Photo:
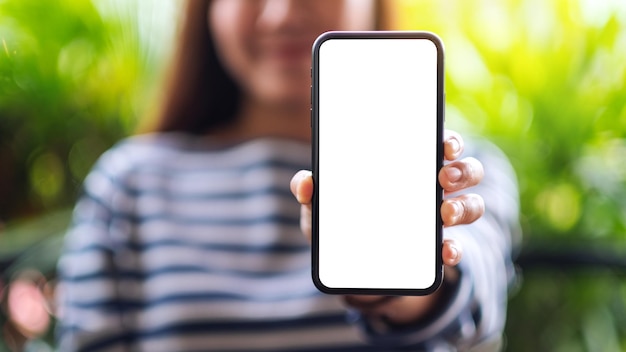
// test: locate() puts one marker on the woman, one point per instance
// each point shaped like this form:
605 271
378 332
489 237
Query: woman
187 239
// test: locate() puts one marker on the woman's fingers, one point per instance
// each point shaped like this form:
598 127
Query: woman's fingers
461 174
464 209
305 220
451 253
452 145
302 186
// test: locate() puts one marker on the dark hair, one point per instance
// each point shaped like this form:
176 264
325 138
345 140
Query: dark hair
199 95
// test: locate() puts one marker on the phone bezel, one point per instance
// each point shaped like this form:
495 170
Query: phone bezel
338 35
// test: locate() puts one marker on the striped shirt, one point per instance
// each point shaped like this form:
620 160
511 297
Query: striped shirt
180 245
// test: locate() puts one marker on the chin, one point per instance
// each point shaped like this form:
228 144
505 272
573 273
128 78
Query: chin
295 103
293 98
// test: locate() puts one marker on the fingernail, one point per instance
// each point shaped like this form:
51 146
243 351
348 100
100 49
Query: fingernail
456 146
454 256
454 174
457 211
454 252
303 175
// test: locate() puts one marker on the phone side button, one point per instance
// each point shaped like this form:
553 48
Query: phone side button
444 107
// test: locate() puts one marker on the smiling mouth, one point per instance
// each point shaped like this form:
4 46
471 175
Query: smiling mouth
288 51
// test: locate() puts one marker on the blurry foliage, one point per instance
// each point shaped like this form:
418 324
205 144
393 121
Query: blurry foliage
72 81
546 81
75 77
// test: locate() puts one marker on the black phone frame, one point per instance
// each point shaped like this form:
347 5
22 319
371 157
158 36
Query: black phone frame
333 35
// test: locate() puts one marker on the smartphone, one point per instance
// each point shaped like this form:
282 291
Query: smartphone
377 114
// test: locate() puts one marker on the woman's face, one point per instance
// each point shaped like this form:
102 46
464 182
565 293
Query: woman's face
266 44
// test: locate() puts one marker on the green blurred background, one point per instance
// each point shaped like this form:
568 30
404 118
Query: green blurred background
544 80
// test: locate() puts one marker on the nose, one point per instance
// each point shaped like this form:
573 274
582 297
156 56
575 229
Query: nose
277 14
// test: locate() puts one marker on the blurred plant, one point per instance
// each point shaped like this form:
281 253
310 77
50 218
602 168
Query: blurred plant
73 79
546 81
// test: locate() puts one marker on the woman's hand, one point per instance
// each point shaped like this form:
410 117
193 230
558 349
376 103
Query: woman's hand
455 176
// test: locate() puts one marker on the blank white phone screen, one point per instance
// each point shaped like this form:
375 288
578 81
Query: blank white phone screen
377 170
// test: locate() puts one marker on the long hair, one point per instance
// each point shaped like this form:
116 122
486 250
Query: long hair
199 95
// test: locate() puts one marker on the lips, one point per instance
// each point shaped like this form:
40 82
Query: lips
293 51
288 52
